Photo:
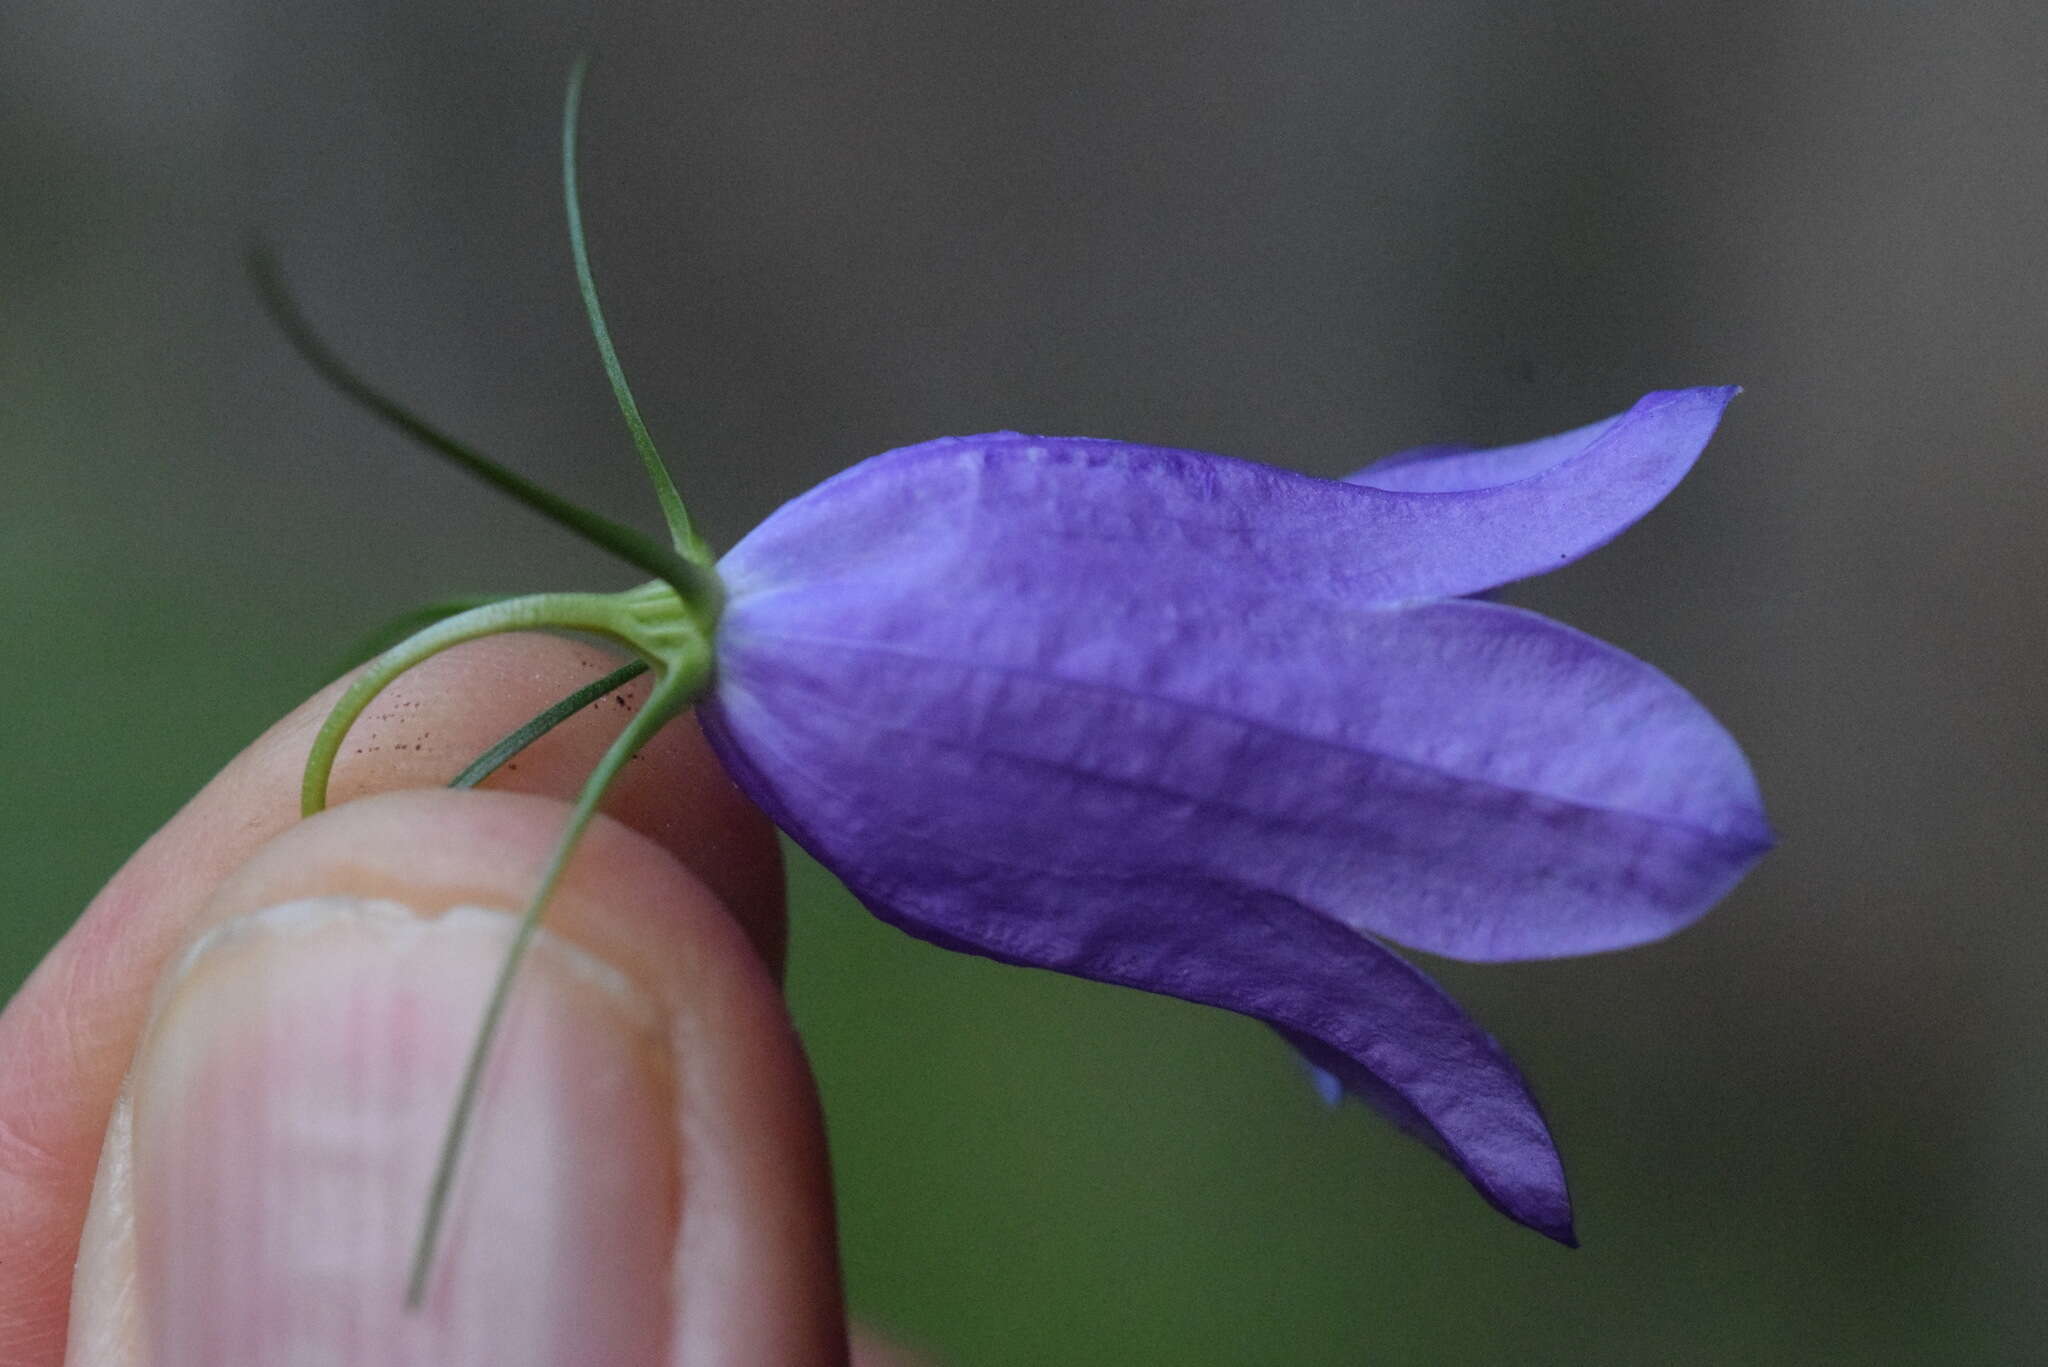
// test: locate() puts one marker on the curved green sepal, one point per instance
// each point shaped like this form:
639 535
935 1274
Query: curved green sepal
385 635
652 620
671 696
694 581
673 512
489 762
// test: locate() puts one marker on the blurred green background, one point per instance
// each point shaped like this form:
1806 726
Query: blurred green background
1809 1130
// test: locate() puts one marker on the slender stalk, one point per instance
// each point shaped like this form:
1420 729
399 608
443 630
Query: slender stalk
488 763
672 510
671 695
648 620
695 581
373 643
514 614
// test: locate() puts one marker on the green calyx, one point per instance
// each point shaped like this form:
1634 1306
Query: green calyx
654 621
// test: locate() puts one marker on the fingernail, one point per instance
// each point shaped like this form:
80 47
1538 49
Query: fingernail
289 1103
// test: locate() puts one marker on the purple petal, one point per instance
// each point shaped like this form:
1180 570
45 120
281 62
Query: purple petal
1515 1167
1470 779
1447 469
1573 492
1069 496
1357 1012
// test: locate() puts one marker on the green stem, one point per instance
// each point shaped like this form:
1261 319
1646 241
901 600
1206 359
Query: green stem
671 696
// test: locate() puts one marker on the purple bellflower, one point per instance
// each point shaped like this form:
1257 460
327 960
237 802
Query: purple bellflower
1218 731
1172 721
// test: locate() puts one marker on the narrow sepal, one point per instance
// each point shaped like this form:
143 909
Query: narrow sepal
387 634
693 581
681 533
526 733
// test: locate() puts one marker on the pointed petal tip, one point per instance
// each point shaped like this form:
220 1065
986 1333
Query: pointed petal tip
1546 1210
1716 396
1544 1207
1748 836
1510 512
1761 838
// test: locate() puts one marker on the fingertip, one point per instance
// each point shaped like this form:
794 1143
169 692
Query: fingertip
71 1031
318 1028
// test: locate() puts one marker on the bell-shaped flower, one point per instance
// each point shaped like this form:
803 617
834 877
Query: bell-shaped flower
1172 721
1219 731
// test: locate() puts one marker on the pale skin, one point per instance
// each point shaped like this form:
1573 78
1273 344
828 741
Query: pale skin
661 1071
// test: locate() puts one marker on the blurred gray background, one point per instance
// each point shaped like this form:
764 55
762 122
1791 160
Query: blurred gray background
1810 1130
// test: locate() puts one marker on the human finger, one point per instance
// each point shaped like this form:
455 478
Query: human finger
646 1179
70 1032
